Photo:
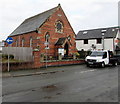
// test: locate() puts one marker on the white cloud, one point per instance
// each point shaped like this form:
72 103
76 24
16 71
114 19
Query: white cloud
94 15
82 14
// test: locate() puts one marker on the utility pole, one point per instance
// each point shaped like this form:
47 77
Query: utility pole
46 48
103 37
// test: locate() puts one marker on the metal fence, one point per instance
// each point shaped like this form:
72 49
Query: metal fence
20 53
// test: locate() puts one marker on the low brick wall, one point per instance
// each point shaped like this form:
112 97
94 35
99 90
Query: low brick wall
62 62
30 65
17 66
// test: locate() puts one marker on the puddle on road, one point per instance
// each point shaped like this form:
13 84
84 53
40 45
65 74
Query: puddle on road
49 88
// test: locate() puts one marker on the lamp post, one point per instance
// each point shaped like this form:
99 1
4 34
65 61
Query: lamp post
103 36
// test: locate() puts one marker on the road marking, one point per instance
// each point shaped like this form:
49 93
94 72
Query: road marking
86 71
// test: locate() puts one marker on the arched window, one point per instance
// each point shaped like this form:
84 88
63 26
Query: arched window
23 42
31 41
47 37
59 27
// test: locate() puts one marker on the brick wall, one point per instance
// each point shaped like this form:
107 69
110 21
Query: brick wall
63 62
26 37
48 27
38 36
38 64
31 65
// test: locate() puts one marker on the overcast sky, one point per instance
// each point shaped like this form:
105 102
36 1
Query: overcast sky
82 14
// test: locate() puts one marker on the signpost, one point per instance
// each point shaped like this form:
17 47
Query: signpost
9 40
46 48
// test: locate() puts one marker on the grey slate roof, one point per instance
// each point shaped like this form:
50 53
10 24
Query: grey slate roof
97 33
33 23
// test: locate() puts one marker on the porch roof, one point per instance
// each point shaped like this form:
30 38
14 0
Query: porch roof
62 41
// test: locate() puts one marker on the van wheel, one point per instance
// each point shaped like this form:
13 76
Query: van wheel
102 64
115 64
88 65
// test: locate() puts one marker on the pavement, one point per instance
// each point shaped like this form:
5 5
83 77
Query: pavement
29 72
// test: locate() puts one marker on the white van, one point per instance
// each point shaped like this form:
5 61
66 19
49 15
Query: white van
101 58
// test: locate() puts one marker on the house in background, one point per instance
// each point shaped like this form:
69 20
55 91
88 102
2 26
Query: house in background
102 38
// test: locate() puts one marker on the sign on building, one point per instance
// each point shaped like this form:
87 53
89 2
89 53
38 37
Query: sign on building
61 51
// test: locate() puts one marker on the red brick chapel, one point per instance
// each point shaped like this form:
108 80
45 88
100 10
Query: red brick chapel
49 30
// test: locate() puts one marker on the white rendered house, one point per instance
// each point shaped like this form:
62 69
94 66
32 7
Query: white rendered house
102 38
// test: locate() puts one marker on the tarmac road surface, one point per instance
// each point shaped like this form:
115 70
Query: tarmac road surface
74 84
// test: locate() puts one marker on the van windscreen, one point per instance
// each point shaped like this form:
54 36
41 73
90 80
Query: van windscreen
95 53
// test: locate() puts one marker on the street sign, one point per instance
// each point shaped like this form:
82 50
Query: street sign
46 43
9 40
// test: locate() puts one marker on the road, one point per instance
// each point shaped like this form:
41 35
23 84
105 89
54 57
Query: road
74 84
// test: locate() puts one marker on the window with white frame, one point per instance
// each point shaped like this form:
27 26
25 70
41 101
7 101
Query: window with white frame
23 42
31 41
47 37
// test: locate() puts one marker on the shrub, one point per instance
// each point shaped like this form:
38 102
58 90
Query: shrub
4 56
77 54
51 57
11 56
82 53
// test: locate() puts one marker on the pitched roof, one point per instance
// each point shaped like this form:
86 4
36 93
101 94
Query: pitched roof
61 41
97 33
33 23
